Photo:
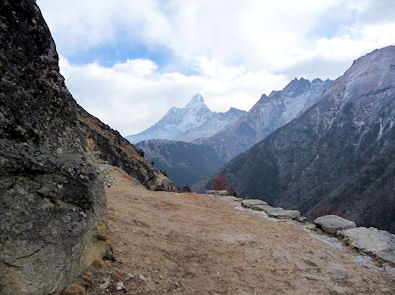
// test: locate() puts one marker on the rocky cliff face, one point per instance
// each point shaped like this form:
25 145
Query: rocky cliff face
268 114
52 202
338 156
106 144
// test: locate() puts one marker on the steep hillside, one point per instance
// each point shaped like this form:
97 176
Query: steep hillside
268 114
176 121
104 143
52 212
213 125
185 163
338 156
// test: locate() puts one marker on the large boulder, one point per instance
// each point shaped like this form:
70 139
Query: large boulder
53 220
332 223
52 202
371 240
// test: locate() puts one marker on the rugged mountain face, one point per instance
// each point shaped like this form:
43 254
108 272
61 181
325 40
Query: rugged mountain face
176 121
185 163
268 114
213 125
52 201
338 156
193 121
106 144
235 130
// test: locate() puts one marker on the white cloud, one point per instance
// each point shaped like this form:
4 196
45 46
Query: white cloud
133 95
236 49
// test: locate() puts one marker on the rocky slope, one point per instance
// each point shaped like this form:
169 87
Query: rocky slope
268 114
338 156
52 212
193 121
185 163
106 144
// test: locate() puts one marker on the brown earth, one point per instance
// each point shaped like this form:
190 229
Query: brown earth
169 243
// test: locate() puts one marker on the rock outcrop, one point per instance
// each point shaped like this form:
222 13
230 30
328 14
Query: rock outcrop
52 201
106 144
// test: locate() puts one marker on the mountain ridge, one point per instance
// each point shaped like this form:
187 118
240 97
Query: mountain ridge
193 121
338 155
267 114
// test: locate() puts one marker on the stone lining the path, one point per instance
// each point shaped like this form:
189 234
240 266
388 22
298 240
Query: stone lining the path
378 243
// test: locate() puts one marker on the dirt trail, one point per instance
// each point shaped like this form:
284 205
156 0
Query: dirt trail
168 243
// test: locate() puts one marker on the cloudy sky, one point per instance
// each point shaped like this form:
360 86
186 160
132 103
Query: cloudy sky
128 61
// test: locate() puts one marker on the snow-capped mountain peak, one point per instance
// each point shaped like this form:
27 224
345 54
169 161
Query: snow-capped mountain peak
193 121
196 101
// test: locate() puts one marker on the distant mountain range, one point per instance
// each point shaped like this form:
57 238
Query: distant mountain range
223 135
338 156
193 121
268 114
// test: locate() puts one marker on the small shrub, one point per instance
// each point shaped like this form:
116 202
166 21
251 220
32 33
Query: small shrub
185 189
219 183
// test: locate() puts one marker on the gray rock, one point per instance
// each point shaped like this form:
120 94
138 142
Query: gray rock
371 240
217 192
332 223
253 204
285 214
120 286
301 219
105 284
269 209
313 277
336 271
48 147
310 226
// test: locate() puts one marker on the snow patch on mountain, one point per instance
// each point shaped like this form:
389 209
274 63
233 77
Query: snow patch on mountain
213 125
